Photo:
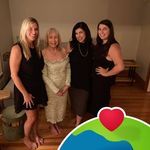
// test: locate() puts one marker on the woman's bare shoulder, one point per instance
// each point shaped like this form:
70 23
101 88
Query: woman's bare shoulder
115 46
63 51
16 49
15 55
43 51
68 47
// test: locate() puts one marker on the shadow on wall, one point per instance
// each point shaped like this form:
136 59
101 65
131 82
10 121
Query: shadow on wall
5 82
5 71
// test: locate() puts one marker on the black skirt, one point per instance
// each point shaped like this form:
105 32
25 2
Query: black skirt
79 100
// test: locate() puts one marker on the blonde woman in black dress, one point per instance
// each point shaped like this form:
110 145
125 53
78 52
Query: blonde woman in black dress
29 90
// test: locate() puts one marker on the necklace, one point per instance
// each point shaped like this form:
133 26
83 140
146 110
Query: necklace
80 50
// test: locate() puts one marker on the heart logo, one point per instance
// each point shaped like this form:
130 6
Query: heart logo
111 118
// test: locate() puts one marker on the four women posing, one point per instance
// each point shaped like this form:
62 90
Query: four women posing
93 70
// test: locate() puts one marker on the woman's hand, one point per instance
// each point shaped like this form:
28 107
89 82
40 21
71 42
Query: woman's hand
62 91
102 71
28 100
65 88
59 93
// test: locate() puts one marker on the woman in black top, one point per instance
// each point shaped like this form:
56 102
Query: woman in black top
80 62
29 89
106 64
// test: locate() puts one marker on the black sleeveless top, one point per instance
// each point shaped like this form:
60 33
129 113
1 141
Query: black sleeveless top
30 73
101 85
100 60
81 64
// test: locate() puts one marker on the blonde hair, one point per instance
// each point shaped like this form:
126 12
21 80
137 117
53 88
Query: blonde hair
52 30
23 38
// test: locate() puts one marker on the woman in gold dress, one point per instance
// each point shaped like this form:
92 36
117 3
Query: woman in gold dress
56 75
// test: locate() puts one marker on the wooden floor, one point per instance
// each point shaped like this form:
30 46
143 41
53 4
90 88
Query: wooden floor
133 99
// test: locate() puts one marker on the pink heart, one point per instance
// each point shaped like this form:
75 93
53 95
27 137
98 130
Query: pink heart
111 118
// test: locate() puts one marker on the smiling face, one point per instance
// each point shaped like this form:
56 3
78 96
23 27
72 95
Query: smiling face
103 32
32 32
80 35
53 39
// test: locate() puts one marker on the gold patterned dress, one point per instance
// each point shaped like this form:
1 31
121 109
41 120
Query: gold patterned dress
56 74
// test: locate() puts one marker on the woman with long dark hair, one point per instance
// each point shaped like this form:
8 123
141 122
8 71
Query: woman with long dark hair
107 62
80 62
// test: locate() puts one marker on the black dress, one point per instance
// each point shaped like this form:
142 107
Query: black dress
101 85
30 73
80 62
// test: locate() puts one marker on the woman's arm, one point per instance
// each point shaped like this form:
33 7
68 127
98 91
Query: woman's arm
48 81
68 48
114 54
68 78
15 60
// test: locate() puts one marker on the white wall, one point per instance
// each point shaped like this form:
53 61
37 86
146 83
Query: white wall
126 15
63 14
143 53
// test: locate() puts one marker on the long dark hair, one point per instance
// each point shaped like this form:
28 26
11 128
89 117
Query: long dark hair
111 37
109 24
83 26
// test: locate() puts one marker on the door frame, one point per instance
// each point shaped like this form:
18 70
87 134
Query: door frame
147 83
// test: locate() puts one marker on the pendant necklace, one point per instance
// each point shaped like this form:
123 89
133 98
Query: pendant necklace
80 50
